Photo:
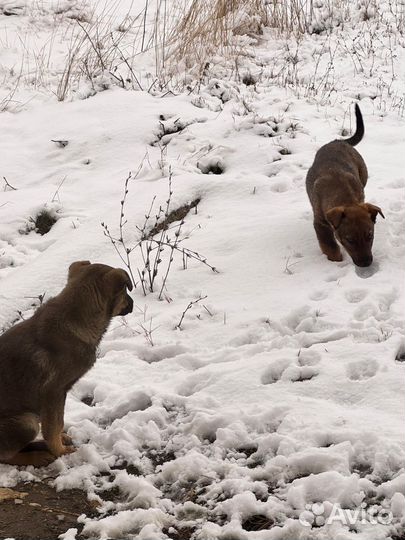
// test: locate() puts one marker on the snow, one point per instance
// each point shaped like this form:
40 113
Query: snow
284 387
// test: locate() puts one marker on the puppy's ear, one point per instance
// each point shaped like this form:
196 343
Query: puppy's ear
373 211
335 216
75 267
117 278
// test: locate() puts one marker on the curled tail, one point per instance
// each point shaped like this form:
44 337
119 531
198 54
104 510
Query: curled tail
358 135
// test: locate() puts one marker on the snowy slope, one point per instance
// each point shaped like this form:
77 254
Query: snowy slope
284 387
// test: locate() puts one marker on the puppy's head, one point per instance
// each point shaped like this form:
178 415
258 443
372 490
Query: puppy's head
354 228
108 285
116 283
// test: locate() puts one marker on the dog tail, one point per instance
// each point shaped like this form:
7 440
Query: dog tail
359 133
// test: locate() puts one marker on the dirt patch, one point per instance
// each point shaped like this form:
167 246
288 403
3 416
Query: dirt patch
44 222
257 522
159 458
36 511
179 533
131 469
175 215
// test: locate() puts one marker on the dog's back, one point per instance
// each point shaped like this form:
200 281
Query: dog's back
338 170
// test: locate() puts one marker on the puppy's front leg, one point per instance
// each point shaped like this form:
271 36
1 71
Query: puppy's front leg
65 437
52 424
327 241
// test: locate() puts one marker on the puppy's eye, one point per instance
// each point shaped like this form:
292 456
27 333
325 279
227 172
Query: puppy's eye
350 240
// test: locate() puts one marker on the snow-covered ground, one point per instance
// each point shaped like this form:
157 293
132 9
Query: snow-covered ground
280 400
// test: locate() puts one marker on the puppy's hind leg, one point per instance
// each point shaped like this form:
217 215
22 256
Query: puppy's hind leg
16 432
327 241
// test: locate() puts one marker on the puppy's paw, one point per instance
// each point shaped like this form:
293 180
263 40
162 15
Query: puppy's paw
335 256
68 449
66 440
331 250
59 449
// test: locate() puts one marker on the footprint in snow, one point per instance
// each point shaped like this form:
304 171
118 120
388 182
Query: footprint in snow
195 383
354 296
211 165
400 356
306 357
361 369
299 373
396 225
365 311
367 271
279 187
274 372
282 370
396 206
335 275
318 295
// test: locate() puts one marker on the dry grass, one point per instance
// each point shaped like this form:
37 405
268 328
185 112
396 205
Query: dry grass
290 17
96 55
196 33
211 28
188 39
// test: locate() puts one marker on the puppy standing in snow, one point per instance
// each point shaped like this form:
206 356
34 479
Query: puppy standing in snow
41 358
335 186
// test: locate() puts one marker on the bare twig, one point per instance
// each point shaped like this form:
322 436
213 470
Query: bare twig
288 265
190 305
40 298
147 332
154 240
8 185
56 194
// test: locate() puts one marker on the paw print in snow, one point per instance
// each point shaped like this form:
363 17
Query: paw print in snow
211 165
313 515
355 296
361 369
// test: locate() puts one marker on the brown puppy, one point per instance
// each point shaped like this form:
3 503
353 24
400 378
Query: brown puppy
41 358
335 186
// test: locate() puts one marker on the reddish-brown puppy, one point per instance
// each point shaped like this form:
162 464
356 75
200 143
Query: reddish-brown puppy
41 358
335 186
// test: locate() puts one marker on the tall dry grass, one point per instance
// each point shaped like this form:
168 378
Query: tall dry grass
182 37
212 28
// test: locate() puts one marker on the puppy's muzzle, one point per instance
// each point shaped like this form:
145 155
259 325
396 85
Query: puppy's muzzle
129 307
366 261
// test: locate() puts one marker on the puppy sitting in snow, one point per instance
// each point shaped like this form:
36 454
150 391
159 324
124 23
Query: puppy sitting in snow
335 186
41 358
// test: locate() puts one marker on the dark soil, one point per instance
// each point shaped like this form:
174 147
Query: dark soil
41 513
180 533
44 222
257 523
175 215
